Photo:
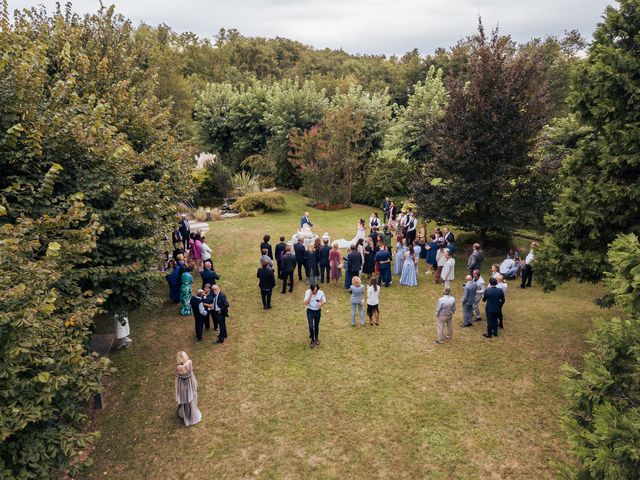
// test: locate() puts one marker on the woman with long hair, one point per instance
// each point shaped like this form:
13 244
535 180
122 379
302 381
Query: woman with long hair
186 391
373 298
408 277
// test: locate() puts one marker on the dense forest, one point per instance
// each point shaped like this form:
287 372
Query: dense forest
100 122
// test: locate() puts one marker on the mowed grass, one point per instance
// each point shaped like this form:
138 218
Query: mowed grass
372 402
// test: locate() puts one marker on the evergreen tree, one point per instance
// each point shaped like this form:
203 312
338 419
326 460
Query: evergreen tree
603 415
481 147
600 196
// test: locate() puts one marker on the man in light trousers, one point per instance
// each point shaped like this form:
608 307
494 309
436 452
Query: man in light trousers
445 308
468 299
479 292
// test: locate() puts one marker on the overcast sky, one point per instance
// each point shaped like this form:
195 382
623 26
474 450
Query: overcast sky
359 26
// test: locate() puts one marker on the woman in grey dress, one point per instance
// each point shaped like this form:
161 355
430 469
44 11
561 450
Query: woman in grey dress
186 391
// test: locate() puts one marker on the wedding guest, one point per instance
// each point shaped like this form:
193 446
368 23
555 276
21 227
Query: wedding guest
354 260
265 245
185 293
495 270
400 251
448 236
411 225
392 216
374 221
386 207
279 252
196 250
186 391
207 301
357 300
448 269
494 299
324 263
334 264
445 308
178 251
266 284
408 277
311 266
314 299
475 259
502 285
374 236
468 299
527 272
480 283
176 238
387 237
440 261
288 268
185 232
173 279
368 266
373 299
300 252
209 275
417 252
220 308
360 249
206 251
431 249
383 260
199 312
265 257
509 267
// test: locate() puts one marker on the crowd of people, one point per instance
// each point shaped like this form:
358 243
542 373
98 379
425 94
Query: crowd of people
393 247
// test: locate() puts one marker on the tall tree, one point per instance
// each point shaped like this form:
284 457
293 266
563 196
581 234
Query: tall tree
481 146
600 197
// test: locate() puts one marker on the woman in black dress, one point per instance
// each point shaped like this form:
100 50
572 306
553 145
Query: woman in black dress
368 265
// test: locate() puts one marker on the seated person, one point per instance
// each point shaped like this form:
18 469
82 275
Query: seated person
509 267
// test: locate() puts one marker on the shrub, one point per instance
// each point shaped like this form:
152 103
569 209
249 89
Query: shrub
262 201
216 182
244 183
201 214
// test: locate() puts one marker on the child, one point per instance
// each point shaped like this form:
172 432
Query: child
373 294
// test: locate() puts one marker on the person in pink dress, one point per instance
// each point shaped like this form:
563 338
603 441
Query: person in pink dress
334 264
197 251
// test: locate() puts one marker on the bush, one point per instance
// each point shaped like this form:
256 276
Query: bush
262 201
244 183
216 182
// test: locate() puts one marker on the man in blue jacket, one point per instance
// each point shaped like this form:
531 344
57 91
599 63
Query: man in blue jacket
494 299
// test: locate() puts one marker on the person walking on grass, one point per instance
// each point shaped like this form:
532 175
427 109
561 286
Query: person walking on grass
314 299
357 300
186 391
494 299
278 254
288 269
266 284
445 308
373 298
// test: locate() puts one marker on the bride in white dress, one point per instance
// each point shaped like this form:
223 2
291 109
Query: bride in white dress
361 232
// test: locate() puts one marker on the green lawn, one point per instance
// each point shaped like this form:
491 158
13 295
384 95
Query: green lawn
372 402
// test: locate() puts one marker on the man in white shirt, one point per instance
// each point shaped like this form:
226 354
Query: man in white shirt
445 308
412 224
509 268
527 272
448 268
502 285
314 299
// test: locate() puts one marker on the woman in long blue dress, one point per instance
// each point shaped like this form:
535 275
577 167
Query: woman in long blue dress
408 277
173 279
432 250
400 249
185 293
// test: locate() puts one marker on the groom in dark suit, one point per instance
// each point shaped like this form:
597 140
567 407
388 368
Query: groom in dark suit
220 308
305 219
494 298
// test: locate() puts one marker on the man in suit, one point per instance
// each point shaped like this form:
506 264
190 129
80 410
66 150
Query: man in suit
386 205
220 312
199 312
323 259
448 236
383 259
445 308
475 259
288 267
448 269
301 253
494 299
279 252
468 299
266 284
185 231
208 303
412 224
305 219
479 293
354 260
209 275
